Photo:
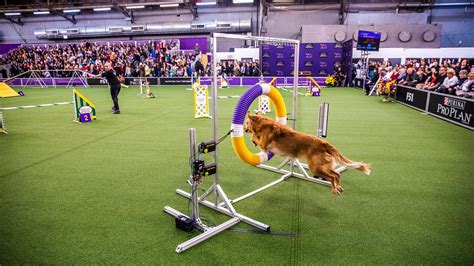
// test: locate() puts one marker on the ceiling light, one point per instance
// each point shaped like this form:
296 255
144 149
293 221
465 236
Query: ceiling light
170 5
205 3
13 14
41 12
102 9
72 11
134 7
242 1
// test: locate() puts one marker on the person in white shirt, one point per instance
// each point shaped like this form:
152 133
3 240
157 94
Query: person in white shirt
449 82
467 86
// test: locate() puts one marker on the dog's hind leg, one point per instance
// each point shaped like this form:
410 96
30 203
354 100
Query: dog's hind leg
314 165
327 170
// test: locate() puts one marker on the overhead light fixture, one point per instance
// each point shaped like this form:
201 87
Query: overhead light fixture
242 1
169 5
41 12
206 3
134 7
102 9
13 14
72 11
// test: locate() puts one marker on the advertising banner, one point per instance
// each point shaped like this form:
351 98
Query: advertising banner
413 97
454 109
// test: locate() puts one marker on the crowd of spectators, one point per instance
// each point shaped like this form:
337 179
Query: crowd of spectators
448 77
130 59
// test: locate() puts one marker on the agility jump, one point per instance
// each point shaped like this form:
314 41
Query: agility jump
240 112
220 201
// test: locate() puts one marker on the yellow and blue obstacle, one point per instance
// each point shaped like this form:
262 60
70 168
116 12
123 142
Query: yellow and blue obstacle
84 110
6 91
240 111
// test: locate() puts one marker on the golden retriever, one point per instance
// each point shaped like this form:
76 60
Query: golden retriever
284 141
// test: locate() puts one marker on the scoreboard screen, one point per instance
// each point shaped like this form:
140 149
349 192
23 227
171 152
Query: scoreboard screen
368 40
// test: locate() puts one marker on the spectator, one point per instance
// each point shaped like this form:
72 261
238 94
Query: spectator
421 77
339 77
467 87
464 66
410 79
373 80
441 76
449 83
431 82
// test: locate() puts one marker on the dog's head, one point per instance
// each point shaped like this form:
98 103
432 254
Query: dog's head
251 121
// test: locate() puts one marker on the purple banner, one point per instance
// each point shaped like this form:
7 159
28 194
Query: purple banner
347 60
190 44
5 48
232 81
47 81
316 59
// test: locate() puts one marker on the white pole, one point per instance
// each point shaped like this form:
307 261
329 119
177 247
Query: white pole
214 103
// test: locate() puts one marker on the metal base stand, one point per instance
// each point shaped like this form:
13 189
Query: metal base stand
34 76
302 168
77 75
222 204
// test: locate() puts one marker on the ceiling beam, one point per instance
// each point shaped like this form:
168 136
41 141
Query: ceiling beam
71 19
17 21
57 13
122 10
193 9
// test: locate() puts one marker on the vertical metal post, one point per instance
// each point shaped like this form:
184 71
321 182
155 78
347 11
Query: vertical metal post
295 84
194 184
295 93
214 104
323 120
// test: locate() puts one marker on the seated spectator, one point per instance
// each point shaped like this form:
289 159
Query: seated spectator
421 77
464 66
432 82
466 88
449 83
441 76
401 75
410 79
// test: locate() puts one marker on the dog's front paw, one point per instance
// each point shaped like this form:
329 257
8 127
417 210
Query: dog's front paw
340 189
336 192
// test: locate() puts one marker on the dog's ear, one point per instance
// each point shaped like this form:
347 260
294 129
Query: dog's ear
276 129
251 116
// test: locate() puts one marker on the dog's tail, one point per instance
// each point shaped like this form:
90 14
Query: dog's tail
342 160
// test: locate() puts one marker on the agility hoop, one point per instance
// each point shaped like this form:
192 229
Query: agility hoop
238 142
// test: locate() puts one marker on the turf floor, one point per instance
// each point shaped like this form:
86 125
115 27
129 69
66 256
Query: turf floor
94 193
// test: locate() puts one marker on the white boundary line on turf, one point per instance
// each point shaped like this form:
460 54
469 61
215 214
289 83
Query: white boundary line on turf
291 91
34 106
226 97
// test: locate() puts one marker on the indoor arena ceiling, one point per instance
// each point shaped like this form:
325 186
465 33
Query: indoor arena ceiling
40 4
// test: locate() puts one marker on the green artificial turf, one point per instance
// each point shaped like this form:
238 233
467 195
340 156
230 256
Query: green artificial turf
88 193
